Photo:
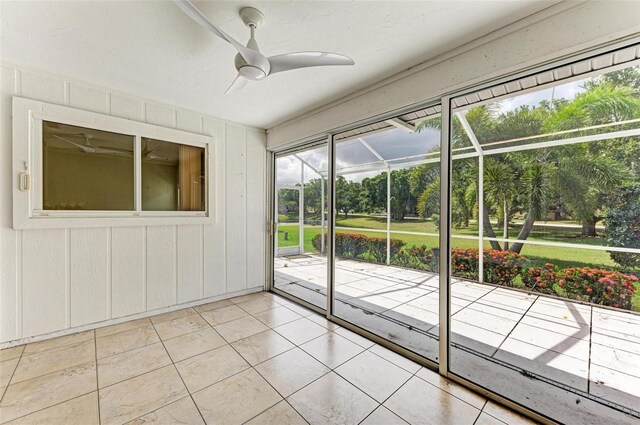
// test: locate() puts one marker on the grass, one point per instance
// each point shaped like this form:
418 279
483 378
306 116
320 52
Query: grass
560 256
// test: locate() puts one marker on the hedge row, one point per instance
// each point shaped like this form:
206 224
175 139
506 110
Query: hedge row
597 286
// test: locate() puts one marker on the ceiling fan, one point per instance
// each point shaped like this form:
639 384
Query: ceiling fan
87 147
250 63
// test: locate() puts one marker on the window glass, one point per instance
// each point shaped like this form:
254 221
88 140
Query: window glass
86 169
173 176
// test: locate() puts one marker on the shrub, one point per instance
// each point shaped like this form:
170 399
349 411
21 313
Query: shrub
540 279
598 286
623 225
417 257
500 267
353 245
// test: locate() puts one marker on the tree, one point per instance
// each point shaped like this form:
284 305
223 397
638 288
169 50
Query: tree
347 195
623 225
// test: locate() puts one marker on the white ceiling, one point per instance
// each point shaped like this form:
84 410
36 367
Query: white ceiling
152 49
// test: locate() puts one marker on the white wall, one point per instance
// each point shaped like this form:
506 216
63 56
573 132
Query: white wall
567 28
52 280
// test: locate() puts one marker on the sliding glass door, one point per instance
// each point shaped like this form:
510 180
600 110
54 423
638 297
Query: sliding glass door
300 221
509 259
387 181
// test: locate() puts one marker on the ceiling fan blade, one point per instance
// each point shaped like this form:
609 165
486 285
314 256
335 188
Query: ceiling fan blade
237 84
191 11
297 60
83 148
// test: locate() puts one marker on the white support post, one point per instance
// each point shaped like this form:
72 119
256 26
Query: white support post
301 209
476 144
322 218
388 215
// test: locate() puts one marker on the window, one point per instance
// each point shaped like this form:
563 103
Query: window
76 169
172 176
86 169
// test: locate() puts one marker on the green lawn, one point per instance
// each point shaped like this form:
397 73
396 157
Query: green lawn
538 255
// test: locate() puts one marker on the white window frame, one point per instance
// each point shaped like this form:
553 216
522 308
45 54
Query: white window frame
28 116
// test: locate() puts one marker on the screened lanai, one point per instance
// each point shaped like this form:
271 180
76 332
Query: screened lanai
536 165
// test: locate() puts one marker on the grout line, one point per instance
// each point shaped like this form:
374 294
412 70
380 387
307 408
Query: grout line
180 376
515 326
12 373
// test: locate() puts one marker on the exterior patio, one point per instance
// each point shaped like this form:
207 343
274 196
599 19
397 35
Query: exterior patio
581 348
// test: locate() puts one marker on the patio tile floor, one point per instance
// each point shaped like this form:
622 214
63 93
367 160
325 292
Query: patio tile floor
589 348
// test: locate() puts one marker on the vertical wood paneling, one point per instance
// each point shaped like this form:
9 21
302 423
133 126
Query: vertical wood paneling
161 266
214 256
43 281
42 87
126 107
189 246
8 236
256 222
89 275
236 208
127 270
87 98
53 279
159 115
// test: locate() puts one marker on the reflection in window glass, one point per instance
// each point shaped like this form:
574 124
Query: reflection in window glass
86 169
173 176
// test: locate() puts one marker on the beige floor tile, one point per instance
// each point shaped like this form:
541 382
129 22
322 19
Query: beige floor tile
374 375
432 377
194 343
223 314
38 393
212 305
332 400
180 326
181 412
236 399
171 315
281 414
125 341
120 367
354 337
420 402
485 419
260 347
7 368
395 358
258 305
49 344
240 328
302 311
138 396
248 297
11 353
45 362
208 368
506 415
2 390
82 410
277 316
332 349
121 327
300 331
322 321
383 416
291 371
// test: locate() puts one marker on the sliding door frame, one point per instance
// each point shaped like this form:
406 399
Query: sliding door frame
444 99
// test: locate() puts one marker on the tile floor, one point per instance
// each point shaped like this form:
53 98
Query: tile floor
255 359
588 348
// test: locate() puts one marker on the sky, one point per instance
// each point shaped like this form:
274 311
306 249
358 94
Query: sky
396 143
